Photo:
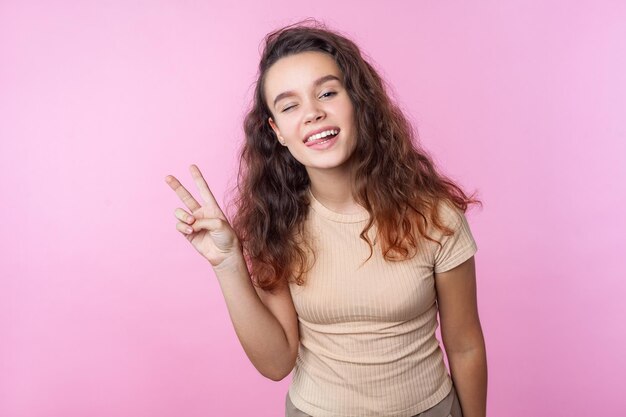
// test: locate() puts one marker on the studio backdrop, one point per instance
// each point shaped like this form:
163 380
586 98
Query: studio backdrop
107 311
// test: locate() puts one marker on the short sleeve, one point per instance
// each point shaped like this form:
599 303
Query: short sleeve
458 247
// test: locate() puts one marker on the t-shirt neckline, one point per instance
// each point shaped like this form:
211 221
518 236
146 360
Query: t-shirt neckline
333 215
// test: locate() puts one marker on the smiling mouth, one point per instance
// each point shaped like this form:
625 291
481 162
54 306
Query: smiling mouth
322 136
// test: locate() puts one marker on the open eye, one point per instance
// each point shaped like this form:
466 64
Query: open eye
328 94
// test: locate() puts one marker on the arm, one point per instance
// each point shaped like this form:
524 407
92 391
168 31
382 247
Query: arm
266 323
462 336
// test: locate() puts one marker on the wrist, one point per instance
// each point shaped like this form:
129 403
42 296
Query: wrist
234 263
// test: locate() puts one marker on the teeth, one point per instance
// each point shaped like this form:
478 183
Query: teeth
322 135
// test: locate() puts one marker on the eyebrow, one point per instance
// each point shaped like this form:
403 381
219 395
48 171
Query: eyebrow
316 83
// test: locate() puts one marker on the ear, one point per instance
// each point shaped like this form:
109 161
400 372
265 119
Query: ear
276 131
273 126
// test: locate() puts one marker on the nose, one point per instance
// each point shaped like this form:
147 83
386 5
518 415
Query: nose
314 113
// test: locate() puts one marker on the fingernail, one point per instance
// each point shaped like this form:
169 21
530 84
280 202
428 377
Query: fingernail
189 230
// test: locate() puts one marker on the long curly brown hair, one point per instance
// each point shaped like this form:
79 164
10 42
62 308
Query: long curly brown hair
395 179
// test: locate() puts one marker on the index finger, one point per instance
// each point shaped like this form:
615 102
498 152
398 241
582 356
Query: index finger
205 191
182 193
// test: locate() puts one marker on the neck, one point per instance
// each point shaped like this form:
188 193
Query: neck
333 189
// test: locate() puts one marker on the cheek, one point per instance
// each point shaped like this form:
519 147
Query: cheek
347 112
286 126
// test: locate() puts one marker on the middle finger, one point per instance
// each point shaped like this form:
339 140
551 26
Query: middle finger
205 191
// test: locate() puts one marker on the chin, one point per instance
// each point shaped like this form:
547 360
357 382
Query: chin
329 164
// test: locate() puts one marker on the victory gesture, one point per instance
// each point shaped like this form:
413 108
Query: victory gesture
205 225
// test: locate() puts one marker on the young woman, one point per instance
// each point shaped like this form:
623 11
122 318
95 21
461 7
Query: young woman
345 245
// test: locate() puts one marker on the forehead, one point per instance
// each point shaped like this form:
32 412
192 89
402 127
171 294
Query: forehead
298 71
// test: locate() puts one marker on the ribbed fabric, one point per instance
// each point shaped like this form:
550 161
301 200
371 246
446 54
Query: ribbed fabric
367 330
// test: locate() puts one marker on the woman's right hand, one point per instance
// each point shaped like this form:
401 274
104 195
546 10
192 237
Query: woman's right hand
205 226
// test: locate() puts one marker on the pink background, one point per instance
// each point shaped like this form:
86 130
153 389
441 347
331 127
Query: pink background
105 310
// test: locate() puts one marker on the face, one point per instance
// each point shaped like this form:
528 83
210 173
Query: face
312 113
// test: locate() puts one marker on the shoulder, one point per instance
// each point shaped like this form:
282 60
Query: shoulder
443 218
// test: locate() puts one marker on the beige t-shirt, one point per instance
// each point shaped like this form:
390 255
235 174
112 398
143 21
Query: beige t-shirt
367 332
